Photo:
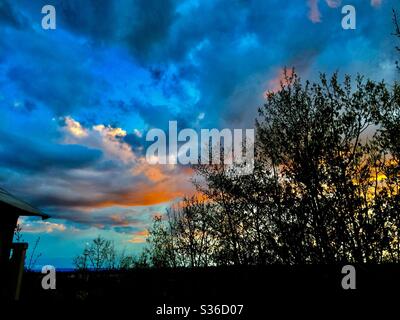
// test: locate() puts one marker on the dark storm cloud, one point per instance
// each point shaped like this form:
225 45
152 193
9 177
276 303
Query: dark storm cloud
56 75
52 86
140 24
95 19
220 47
122 221
25 154
149 26
127 230
136 142
10 17
158 116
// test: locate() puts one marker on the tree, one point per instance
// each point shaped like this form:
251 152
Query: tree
323 140
161 244
324 187
98 254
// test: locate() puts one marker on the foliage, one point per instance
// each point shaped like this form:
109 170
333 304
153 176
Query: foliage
325 187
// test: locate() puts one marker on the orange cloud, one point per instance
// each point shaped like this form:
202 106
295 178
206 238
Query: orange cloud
274 85
120 220
145 195
314 15
106 138
154 173
75 128
333 3
143 233
376 3
136 182
139 237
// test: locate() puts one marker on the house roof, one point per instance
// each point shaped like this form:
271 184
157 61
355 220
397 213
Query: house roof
23 208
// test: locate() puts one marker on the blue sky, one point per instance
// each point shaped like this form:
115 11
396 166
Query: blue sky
76 102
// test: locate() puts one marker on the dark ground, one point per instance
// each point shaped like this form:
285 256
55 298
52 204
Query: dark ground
261 290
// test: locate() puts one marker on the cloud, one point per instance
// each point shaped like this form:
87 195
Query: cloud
26 154
10 17
122 220
280 79
334 3
107 138
74 223
314 14
180 69
75 128
208 72
114 188
93 19
64 79
151 25
76 102
115 176
376 3
42 226
139 237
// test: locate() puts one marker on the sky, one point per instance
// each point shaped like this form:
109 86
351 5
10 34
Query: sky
76 102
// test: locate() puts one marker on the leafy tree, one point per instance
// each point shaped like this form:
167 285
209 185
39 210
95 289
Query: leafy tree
324 187
161 244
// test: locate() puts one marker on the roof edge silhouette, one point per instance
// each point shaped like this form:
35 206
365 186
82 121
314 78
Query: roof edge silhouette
25 208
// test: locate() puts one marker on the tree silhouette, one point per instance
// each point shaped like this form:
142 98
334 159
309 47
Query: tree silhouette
325 186
101 254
